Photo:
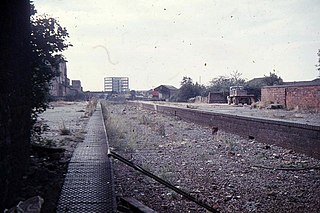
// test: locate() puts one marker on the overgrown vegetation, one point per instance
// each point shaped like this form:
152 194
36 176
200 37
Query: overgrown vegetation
188 90
48 41
121 133
91 107
63 129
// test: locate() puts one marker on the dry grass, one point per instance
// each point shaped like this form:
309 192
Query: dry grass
122 133
91 107
63 129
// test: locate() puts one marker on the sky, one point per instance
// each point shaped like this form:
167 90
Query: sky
156 42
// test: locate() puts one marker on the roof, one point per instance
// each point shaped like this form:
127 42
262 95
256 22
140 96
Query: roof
256 81
167 86
315 82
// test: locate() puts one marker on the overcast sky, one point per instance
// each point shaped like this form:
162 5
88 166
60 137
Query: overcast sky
156 42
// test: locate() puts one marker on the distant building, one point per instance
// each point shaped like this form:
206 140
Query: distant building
60 88
116 84
304 95
59 85
76 84
217 97
164 92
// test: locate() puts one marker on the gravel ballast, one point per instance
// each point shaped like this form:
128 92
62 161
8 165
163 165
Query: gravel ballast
229 173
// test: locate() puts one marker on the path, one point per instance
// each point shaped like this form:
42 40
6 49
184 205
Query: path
88 185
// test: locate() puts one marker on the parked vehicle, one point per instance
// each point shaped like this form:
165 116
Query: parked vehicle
238 95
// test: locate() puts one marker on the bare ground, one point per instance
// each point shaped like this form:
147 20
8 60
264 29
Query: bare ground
51 153
226 171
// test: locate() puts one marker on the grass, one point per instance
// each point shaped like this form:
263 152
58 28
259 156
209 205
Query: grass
91 107
166 174
122 136
145 120
162 130
64 130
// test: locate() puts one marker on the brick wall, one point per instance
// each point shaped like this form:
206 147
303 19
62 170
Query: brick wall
303 97
275 95
298 137
306 98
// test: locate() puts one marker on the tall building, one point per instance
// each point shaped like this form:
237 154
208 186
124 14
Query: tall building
60 83
116 84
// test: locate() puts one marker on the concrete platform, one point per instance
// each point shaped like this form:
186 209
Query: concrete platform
88 185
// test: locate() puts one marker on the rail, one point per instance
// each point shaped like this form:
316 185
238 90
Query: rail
163 182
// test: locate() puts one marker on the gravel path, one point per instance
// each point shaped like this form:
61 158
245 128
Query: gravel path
228 172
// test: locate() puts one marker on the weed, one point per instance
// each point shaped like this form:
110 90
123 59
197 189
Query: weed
162 130
91 107
230 144
47 142
166 174
63 129
144 120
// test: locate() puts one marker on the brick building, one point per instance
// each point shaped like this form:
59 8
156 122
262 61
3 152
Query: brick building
304 94
76 84
59 85
60 88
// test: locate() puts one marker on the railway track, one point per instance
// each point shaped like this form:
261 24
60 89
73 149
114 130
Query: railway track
236 175
299 137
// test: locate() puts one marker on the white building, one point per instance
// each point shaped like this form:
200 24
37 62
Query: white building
116 84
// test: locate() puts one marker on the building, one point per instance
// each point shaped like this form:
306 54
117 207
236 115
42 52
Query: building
116 84
76 85
59 84
164 92
217 97
304 95
60 88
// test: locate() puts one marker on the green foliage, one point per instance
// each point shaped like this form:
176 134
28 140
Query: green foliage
272 79
223 83
48 40
188 90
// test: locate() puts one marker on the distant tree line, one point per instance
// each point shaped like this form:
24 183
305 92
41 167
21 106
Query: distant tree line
222 84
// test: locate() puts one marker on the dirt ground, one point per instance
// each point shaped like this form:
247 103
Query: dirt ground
63 126
229 173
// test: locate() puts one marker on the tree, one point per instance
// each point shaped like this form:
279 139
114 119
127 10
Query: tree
272 79
236 79
188 90
223 83
186 81
48 40
15 89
